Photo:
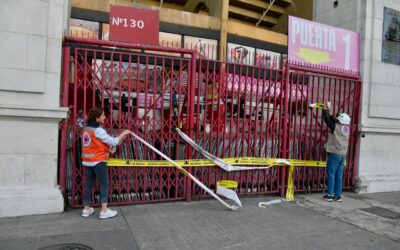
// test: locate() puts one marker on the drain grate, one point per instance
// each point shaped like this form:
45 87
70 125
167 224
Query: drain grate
382 212
67 247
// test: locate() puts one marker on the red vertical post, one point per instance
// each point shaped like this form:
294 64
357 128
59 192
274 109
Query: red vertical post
189 121
355 128
285 130
63 134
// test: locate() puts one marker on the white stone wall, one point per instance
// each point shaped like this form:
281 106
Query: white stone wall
30 78
379 150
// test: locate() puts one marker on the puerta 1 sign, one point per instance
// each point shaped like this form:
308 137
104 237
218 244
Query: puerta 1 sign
320 44
134 25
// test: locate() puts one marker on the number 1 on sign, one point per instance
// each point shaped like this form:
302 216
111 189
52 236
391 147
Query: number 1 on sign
346 40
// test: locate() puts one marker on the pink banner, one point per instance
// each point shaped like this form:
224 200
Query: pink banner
149 102
319 44
254 86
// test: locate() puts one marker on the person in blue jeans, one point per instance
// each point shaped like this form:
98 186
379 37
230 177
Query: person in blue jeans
336 146
96 147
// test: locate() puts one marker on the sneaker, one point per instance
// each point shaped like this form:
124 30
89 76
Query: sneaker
328 198
337 198
108 214
87 212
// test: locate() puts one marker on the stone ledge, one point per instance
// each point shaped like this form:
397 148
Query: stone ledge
46 114
378 129
21 201
378 183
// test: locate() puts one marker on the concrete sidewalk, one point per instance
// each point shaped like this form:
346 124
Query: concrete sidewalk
359 222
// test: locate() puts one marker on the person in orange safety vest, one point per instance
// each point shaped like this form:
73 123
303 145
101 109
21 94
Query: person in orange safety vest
96 145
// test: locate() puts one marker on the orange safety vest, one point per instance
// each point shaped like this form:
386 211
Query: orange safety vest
93 149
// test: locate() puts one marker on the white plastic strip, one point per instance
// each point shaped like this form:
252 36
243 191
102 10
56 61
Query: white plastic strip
228 193
267 203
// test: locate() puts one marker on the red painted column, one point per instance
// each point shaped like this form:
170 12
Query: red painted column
285 131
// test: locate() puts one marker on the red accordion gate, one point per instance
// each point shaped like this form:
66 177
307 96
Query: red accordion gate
230 110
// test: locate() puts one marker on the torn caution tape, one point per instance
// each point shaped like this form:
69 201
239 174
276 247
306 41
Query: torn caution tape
228 164
227 184
224 189
317 105
268 203
230 195
220 162
116 162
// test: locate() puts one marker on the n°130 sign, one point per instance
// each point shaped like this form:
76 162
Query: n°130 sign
125 22
134 25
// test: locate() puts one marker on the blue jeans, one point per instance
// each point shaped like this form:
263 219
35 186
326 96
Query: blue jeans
334 172
101 171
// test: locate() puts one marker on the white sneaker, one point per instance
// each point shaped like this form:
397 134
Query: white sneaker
87 212
108 214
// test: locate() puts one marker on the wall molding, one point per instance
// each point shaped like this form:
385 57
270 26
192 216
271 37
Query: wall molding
42 114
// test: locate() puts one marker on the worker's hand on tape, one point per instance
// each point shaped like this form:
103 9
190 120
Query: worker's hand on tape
328 105
113 149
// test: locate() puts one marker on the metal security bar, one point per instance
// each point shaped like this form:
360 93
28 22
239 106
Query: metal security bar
307 132
230 109
237 114
140 91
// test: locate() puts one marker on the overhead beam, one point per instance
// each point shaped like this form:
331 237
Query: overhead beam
254 16
191 5
223 39
214 7
104 5
284 3
259 6
245 30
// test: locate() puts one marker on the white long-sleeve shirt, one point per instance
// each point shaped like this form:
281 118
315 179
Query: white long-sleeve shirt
101 134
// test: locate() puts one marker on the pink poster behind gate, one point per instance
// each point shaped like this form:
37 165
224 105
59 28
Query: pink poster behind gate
319 44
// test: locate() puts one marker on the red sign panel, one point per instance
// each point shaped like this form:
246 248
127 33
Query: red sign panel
134 25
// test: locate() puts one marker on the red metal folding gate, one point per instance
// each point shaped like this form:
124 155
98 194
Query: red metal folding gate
231 110
307 133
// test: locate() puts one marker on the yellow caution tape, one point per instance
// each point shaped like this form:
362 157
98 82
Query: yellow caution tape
227 184
254 161
317 105
114 162
290 188
158 163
